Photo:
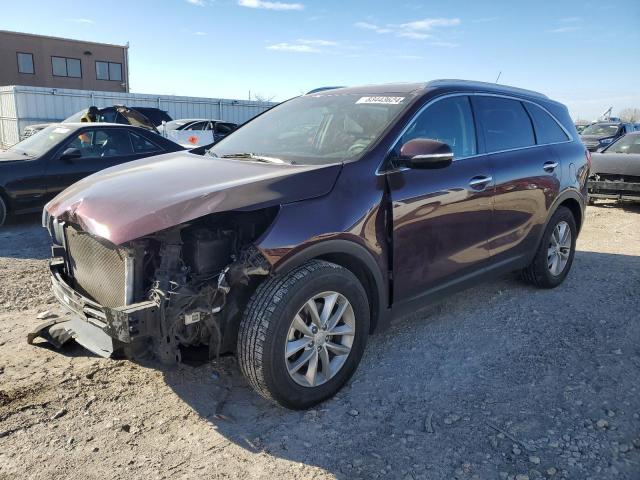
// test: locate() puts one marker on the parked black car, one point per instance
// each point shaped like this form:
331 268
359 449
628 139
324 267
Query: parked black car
601 134
38 168
291 245
615 172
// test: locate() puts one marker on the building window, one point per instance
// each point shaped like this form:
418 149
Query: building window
109 71
66 67
25 63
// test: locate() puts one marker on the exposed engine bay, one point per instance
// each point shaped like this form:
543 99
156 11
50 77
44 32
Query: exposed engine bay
181 287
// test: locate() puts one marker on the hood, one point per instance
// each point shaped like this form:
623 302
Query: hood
10 156
134 199
616 163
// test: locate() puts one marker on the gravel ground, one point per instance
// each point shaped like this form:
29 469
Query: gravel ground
502 381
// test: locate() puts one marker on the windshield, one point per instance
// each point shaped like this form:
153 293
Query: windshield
175 124
602 130
627 144
314 129
41 142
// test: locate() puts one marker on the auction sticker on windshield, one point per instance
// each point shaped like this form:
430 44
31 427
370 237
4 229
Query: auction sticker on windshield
383 100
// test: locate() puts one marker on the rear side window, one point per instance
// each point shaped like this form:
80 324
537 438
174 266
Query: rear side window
143 145
225 128
504 123
547 129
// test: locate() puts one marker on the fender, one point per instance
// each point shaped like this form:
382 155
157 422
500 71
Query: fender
380 318
569 193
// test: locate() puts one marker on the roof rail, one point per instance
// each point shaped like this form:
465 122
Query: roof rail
484 86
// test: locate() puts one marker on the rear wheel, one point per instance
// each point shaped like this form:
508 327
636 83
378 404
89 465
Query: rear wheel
3 212
303 334
555 254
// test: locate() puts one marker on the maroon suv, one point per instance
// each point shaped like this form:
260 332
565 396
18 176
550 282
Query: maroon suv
312 225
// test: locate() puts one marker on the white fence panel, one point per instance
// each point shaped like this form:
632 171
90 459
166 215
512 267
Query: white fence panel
21 106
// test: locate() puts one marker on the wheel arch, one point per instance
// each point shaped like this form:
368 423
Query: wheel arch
356 259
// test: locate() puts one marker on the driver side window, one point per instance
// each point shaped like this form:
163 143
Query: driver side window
450 121
102 143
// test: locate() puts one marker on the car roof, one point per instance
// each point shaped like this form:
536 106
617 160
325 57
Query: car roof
417 88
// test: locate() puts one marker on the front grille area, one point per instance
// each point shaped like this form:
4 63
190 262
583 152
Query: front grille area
97 269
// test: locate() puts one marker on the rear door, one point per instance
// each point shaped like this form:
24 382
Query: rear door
100 148
441 217
526 172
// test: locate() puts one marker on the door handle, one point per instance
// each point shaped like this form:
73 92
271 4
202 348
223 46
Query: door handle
549 166
480 182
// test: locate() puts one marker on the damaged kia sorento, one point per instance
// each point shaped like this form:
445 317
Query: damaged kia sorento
308 228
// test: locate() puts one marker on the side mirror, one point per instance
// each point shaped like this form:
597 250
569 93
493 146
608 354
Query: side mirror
70 154
425 153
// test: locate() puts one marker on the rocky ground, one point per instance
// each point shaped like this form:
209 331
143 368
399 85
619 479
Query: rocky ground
503 381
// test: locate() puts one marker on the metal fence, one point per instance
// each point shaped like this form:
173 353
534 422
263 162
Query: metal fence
21 106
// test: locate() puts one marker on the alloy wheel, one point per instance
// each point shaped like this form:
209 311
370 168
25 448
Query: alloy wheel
559 248
320 338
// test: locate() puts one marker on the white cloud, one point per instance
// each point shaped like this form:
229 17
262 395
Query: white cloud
80 20
199 3
430 23
414 35
318 42
270 5
200 34
293 47
445 44
416 30
564 29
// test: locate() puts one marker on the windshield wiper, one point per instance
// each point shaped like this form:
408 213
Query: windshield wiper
258 158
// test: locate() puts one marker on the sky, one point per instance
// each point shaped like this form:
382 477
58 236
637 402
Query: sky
583 53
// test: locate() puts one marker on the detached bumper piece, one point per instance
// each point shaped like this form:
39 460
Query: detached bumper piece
102 330
616 190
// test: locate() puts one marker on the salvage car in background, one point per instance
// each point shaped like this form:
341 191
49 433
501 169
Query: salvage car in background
615 172
291 245
38 168
602 134
192 132
145 117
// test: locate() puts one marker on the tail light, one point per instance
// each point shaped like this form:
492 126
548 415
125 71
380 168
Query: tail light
587 154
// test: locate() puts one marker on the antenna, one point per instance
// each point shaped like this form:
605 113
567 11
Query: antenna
498 77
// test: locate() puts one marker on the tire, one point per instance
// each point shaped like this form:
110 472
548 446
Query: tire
539 272
3 212
266 328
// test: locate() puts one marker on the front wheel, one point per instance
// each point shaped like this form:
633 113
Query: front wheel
303 334
554 257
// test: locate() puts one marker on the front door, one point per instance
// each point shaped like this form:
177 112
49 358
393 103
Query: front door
441 217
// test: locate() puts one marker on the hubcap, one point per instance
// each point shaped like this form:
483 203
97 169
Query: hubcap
559 248
320 339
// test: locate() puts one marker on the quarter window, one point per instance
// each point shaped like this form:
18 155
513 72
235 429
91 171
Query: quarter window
66 67
25 63
504 123
109 71
449 121
547 129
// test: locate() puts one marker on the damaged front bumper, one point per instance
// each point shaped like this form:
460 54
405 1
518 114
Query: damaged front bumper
102 330
617 190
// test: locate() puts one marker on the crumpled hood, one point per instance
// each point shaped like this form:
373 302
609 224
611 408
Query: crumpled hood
616 163
134 199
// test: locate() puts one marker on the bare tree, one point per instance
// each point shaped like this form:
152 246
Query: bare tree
630 115
263 98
